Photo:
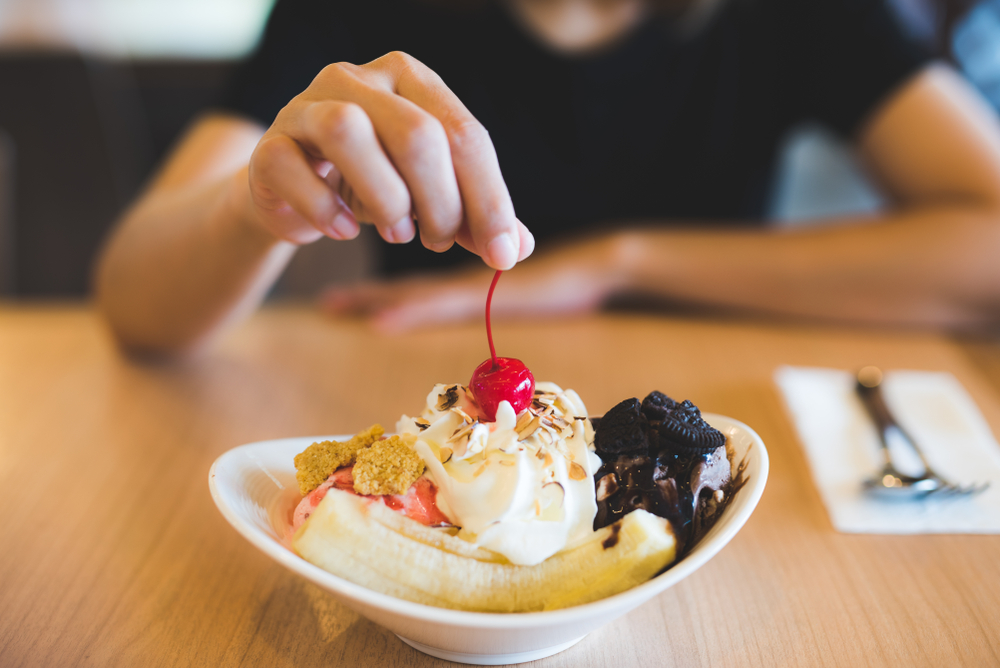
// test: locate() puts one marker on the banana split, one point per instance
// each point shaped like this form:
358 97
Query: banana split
533 510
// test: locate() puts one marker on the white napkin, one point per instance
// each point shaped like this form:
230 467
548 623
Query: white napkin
841 444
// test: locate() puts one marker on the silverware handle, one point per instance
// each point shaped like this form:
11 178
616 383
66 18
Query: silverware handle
874 401
875 404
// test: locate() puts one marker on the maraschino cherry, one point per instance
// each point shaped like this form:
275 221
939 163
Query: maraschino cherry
500 378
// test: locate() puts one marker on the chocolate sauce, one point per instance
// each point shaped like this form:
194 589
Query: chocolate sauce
612 540
680 488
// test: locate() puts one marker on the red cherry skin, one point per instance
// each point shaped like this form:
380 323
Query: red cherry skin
509 380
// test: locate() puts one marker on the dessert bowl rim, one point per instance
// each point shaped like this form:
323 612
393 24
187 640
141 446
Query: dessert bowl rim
695 559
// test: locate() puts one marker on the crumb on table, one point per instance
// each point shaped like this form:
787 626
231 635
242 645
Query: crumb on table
389 466
315 464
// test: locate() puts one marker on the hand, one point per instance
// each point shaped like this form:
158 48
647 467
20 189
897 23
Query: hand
379 143
572 280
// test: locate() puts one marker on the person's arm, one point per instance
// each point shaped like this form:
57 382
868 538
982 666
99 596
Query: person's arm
188 256
929 261
386 143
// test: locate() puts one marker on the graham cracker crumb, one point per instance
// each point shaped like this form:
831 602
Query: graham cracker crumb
315 464
389 466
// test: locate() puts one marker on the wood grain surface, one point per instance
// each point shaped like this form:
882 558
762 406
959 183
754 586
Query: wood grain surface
113 554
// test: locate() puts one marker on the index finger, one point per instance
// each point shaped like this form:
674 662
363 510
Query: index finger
489 213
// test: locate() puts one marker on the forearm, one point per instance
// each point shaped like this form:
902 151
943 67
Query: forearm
184 263
929 267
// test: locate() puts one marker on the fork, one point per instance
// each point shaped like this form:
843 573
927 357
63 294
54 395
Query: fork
891 483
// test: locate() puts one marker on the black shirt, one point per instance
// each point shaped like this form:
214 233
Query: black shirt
665 125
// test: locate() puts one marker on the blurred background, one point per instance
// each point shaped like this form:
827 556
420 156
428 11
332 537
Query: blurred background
94 92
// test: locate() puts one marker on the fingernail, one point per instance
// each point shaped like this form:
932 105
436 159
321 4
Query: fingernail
527 246
343 227
401 231
440 246
501 252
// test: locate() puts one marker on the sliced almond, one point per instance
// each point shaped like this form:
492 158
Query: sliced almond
444 455
564 405
463 430
480 470
607 486
506 462
421 424
529 428
448 399
557 422
522 420
576 472
565 451
554 492
460 446
539 406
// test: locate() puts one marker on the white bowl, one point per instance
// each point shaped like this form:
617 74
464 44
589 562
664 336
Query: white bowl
254 487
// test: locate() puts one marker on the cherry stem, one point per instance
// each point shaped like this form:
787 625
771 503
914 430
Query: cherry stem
489 329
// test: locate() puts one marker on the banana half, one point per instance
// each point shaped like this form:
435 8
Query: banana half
367 543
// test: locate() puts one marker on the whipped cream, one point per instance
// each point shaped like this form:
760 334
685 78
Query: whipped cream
521 486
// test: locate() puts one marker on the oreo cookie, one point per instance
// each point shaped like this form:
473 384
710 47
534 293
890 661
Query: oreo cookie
656 405
679 427
623 430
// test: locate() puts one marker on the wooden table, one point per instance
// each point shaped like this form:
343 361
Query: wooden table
112 553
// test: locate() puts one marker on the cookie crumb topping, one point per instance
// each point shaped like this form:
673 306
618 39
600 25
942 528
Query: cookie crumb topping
388 466
317 462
